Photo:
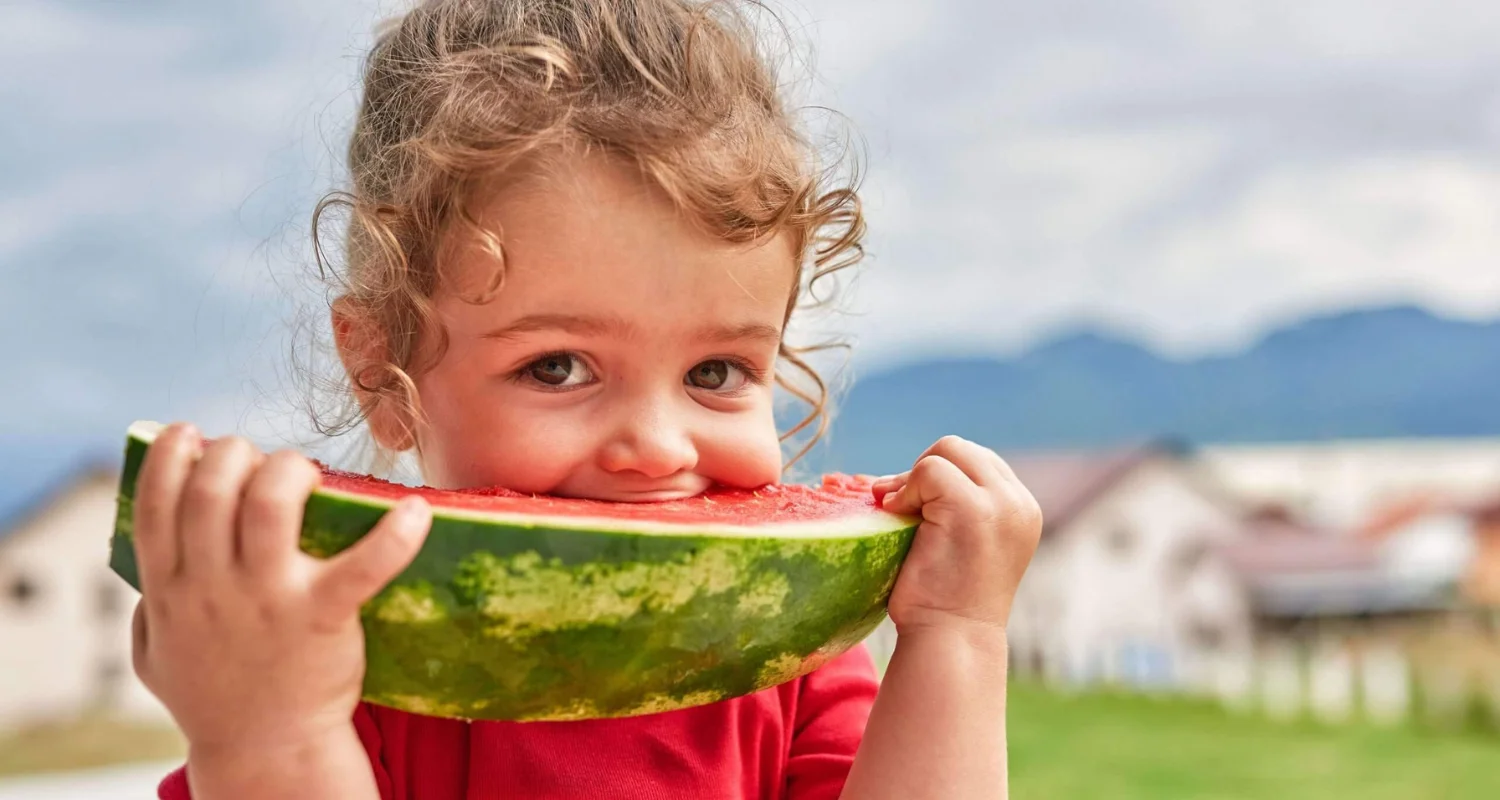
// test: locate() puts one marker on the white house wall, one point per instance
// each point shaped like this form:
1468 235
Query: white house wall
1101 614
66 651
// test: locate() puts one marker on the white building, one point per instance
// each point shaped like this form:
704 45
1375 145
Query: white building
1339 483
64 616
1203 571
1128 584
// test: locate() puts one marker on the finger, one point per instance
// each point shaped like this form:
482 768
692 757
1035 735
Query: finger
270 520
932 480
158 490
355 575
210 504
890 483
890 480
980 464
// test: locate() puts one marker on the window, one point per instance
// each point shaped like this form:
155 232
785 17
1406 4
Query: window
1189 558
111 671
1206 636
1120 541
108 597
23 590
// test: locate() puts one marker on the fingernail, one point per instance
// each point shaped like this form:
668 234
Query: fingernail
192 438
413 508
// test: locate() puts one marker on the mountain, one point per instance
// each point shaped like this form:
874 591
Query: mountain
1389 372
1372 373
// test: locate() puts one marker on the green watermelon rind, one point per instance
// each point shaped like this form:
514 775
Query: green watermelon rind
508 620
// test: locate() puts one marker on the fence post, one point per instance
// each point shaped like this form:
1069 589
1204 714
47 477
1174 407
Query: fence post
1281 682
1330 682
1385 684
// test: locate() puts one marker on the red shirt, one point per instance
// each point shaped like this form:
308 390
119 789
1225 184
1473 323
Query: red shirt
795 741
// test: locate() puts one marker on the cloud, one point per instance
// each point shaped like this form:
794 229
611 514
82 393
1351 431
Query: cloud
1192 172
154 197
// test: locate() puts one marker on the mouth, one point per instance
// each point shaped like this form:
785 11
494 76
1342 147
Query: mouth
638 492
649 495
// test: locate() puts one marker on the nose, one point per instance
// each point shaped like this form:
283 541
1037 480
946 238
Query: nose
647 440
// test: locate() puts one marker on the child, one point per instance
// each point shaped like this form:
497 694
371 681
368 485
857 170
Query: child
577 231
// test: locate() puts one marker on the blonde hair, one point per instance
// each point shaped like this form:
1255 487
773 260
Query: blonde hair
456 91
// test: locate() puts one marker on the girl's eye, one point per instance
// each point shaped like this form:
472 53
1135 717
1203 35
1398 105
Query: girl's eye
561 370
716 375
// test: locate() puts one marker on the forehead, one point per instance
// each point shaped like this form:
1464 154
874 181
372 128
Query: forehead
589 236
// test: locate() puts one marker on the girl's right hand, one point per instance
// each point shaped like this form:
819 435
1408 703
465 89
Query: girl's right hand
252 644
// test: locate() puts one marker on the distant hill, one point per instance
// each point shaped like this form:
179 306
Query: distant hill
1389 372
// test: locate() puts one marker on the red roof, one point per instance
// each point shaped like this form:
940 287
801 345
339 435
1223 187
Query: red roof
1064 483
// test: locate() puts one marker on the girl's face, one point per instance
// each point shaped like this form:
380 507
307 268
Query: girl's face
629 355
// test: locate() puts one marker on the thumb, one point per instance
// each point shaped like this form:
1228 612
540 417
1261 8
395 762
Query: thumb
357 574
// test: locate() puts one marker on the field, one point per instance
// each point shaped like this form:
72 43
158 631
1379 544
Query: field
1062 746
1126 747
84 743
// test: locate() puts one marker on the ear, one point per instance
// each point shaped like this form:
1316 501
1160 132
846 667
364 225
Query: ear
362 346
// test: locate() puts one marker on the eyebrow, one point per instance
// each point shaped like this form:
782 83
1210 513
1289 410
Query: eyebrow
619 328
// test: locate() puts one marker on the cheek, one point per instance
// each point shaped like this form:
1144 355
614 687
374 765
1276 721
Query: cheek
477 438
528 454
531 455
745 454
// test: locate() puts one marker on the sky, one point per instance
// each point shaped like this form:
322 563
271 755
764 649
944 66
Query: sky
1188 174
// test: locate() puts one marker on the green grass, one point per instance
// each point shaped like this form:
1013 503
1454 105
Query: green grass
1124 747
1083 746
87 742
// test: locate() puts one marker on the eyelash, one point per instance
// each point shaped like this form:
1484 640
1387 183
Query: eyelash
753 375
523 373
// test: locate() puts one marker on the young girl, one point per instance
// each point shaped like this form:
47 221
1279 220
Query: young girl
577 231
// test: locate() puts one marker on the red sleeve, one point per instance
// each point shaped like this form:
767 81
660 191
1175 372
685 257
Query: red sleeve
832 709
175 785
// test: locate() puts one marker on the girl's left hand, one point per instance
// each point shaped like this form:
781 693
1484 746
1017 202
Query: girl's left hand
979 529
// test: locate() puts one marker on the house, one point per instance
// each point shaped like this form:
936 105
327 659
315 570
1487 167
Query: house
1348 620
1276 587
1301 572
1467 529
1337 483
1482 583
64 616
1128 585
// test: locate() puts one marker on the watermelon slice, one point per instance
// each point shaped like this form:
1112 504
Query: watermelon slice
540 608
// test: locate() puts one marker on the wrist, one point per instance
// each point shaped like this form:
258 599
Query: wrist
300 764
953 631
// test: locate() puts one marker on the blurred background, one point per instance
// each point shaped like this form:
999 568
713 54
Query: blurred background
1218 279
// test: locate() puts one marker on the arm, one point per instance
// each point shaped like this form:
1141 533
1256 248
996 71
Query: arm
938 726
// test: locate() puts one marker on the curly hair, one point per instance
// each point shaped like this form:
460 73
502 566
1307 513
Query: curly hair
457 91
